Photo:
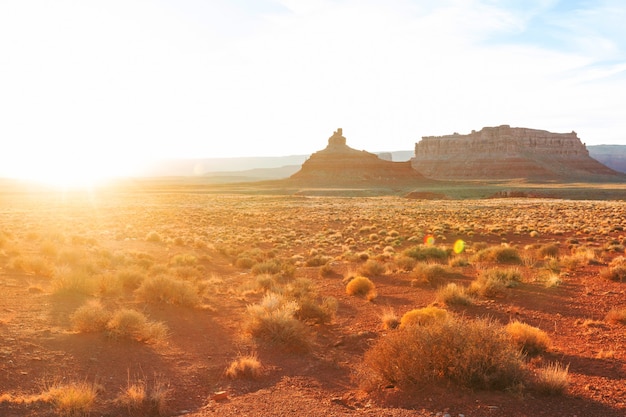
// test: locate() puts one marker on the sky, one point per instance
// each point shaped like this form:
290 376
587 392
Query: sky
90 88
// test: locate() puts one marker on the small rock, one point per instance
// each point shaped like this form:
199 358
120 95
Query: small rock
220 396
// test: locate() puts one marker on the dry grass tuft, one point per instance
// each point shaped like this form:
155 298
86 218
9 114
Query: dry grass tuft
131 324
362 286
390 320
531 340
499 255
453 294
423 316
427 253
166 289
372 268
273 321
143 398
552 380
75 398
614 273
470 353
244 367
493 282
91 317
616 315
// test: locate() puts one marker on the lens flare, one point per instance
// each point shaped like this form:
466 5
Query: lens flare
459 246
429 240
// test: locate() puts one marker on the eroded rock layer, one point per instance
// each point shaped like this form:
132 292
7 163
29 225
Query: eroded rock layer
504 152
339 164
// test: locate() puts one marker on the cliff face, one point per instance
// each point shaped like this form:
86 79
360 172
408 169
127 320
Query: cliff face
339 164
504 152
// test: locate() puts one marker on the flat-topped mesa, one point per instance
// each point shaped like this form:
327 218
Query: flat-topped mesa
503 140
339 164
506 152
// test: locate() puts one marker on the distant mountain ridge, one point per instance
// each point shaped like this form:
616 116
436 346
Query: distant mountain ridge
249 169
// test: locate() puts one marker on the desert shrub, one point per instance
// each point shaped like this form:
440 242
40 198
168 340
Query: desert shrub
131 277
498 254
552 379
614 273
550 250
183 259
154 237
372 268
273 321
266 267
90 317
458 261
616 315
318 260
423 316
72 399
427 253
245 262
266 282
327 270
432 274
453 294
131 324
311 310
244 367
470 353
390 320
531 340
145 398
165 289
361 286
492 282
406 263
67 280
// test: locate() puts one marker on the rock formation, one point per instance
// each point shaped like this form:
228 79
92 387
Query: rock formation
339 164
504 152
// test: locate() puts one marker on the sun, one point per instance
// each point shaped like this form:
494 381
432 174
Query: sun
64 172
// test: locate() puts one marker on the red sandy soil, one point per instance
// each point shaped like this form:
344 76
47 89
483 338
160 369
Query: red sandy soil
38 345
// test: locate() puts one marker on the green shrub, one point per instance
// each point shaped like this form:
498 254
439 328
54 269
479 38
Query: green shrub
475 354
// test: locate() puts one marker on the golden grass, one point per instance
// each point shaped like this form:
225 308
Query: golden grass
531 340
470 353
363 287
552 379
247 366
131 324
72 399
90 317
423 316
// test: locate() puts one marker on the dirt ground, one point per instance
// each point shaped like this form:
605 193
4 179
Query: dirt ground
39 233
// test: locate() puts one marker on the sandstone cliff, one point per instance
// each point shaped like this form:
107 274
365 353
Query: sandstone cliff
339 164
504 152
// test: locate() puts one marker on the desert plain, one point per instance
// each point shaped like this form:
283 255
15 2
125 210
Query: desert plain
174 299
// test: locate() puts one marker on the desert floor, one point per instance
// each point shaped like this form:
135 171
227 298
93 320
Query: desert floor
222 253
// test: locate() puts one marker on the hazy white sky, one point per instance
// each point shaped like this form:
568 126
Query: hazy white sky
120 81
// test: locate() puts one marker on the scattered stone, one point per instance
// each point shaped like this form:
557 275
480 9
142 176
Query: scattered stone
220 396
